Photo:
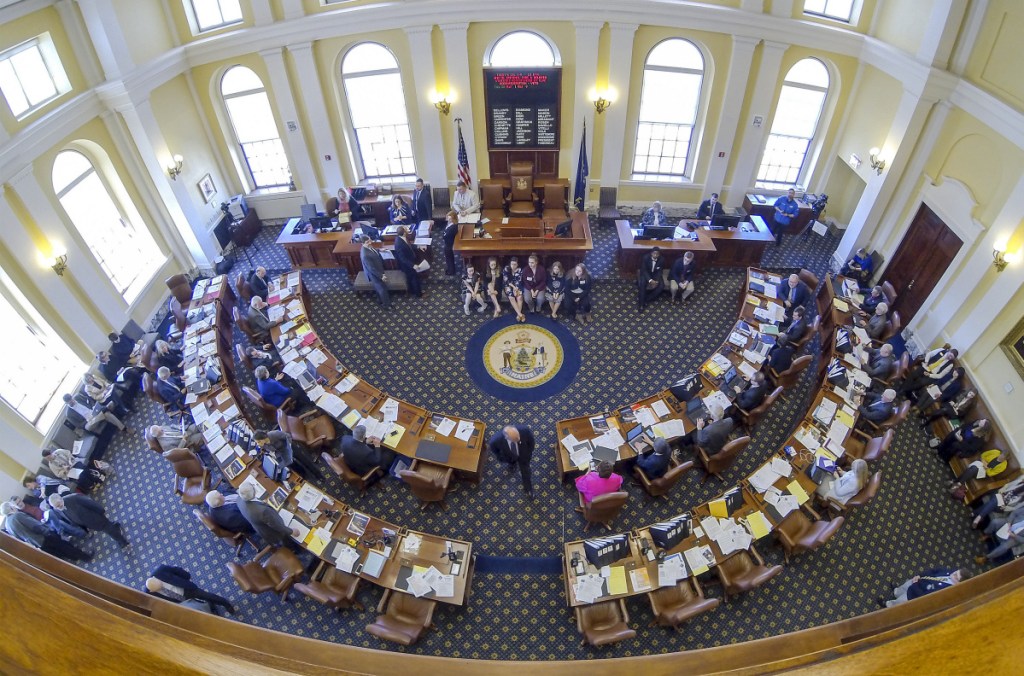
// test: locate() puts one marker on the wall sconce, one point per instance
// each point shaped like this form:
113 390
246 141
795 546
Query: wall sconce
58 260
877 163
602 99
999 259
441 102
174 167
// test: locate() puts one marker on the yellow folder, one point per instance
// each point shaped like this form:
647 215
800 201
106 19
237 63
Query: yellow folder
759 526
617 581
718 508
798 492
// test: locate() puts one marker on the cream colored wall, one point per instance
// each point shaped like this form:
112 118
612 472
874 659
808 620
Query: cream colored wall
844 188
901 23
145 28
995 63
871 111
27 27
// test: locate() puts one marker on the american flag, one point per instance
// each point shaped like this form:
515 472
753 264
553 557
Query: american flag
463 161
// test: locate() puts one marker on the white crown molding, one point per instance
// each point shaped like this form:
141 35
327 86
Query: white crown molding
12 10
1001 117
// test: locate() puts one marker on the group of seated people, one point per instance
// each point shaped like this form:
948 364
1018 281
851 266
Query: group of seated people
651 277
529 289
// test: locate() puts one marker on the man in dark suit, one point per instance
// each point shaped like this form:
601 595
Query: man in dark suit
288 454
875 327
751 397
514 445
879 363
710 207
83 511
29 530
170 388
797 326
175 584
878 408
361 457
226 514
927 582
710 435
794 293
263 518
451 231
258 282
781 356
649 280
654 463
373 266
406 257
121 349
422 202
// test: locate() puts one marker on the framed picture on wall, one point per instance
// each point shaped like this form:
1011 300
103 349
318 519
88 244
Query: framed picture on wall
207 188
1013 346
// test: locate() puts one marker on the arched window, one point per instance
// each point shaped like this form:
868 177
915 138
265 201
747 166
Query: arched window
255 128
127 253
376 105
669 103
795 123
521 49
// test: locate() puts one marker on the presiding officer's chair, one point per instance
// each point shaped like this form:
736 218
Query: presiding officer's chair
674 605
604 623
603 509
332 587
276 572
403 618
522 199
660 487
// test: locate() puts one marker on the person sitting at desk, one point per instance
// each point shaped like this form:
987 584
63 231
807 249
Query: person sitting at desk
555 288
264 357
83 417
786 209
712 433
751 396
593 484
130 375
797 326
655 461
941 390
879 363
63 463
103 392
465 201
846 484
579 303
276 393
43 486
965 441
654 215
399 212
258 317
264 519
422 203
710 207
172 436
373 266
681 276
794 293
222 508
405 256
512 279
878 408
168 356
258 283
175 584
1004 500
471 290
649 279
875 327
927 582
494 283
362 457
872 300
346 204
780 357
535 282
23 527
859 267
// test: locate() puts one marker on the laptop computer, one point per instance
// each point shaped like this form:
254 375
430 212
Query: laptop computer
695 408
639 440
731 380
201 385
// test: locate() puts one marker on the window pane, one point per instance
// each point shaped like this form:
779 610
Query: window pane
34 76
230 10
267 163
676 54
366 96
207 13
252 117
522 48
68 167
809 72
797 112
239 79
368 56
12 88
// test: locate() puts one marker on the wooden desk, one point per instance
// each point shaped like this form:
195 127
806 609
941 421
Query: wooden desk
315 250
568 250
631 251
742 247
630 562
766 210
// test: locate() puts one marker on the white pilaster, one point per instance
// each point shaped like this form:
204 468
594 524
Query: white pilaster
106 37
16 239
294 142
588 34
745 170
292 9
944 23
83 269
261 14
969 29
316 111
75 29
432 168
735 87
752 6
175 195
783 8
457 55
620 61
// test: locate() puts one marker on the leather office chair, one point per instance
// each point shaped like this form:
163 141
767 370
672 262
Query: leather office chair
862 498
149 387
341 468
492 202
276 572
429 482
192 479
442 203
899 371
893 421
754 415
148 358
723 460
743 572
555 205
236 540
244 289
175 308
607 210
332 587
808 334
402 618
243 358
808 278
180 288
791 376
660 487
255 337
522 198
331 205
603 509
892 328
604 623
314 429
889 292
268 410
154 445
674 605
870 449
797 533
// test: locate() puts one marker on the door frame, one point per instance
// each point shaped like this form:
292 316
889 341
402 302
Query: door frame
952 202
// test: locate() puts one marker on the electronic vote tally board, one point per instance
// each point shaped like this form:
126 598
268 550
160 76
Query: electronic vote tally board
522 107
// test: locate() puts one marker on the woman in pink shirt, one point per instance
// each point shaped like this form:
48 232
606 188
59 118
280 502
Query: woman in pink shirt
603 481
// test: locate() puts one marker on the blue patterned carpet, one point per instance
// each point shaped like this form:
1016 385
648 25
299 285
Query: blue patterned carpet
416 352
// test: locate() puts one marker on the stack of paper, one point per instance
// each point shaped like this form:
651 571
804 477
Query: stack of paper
389 409
411 543
671 570
308 497
640 579
731 537
465 430
759 526
660 408
345 557
588 588
446 427
347 383
332 405
610 439
699 559
764 478
670 429
783 504
645 416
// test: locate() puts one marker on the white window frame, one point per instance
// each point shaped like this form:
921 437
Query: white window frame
238 148
694 142
852 20
193 17
44 44
555 55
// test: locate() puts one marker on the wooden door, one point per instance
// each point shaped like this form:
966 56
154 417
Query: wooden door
920 261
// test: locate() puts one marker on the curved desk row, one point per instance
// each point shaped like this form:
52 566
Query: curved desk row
380 552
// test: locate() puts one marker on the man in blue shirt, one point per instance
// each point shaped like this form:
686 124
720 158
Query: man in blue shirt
786 209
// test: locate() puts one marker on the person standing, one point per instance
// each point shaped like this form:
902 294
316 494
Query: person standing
451 231
373 266
83 511
422 203
710 207
406 257
654 215
258 282
649 278
786 209
514 446
28 530
263 518
287 454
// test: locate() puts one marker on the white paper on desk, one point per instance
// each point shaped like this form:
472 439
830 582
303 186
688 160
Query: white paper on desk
806 437
589 588
444 587
216 443
698 559
712 527
865 339
446 426
431 576
421 241
645 416
661 408
763 478
671 429
469 218
293 278
231 413
581 458
569 441
210 432
417 586
610 439
389 410
347 383
316 392
213 419
332 404
717 398
345 557
861 377
308 497
191 398
770 291
838 432
302 528
781 467
316 357
411 543
294 368
465 430
276 313
225 455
